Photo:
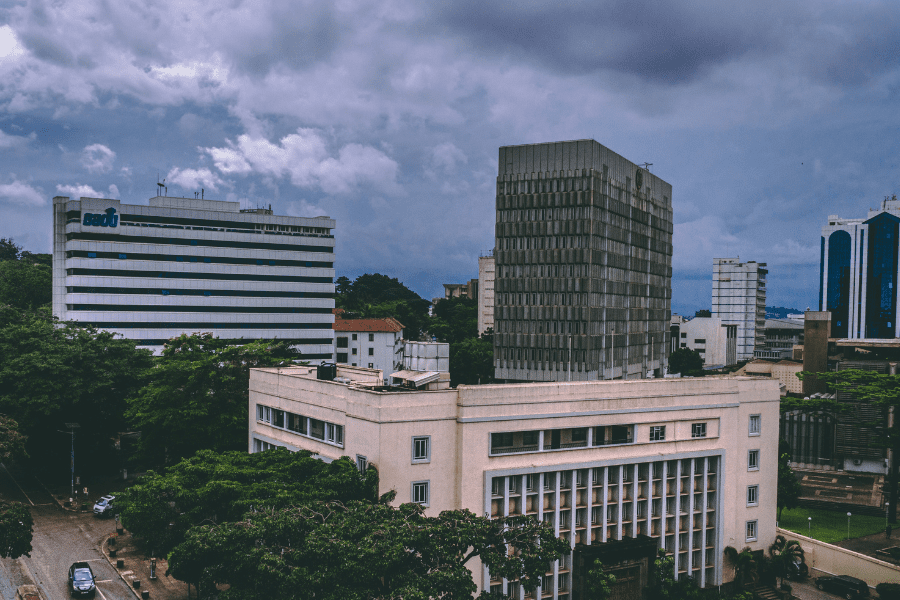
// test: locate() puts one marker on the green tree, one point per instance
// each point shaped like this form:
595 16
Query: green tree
686 362
359 550
598 583
663 584
744 564
375 295
213 487
454 320
16 528
703 313
12 442
196 395
25 285
52 373
882 391
785 553
9 250
789 489
472 361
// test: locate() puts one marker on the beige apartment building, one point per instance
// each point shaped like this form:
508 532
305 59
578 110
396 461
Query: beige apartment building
690 462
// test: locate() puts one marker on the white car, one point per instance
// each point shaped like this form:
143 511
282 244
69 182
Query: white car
104 506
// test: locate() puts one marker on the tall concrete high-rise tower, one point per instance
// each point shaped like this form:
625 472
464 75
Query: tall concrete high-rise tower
583 264
739 298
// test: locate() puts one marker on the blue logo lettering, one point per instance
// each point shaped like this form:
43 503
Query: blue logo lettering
108 219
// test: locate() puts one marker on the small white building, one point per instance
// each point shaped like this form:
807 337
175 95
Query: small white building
369 343
715 341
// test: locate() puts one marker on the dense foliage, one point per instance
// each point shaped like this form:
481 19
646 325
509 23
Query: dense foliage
53 373
25 278
360 550
213 488
686 361
16 528
196 395
789 489
783 553
375 295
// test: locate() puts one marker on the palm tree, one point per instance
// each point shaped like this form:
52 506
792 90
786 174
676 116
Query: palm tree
785 553
744 564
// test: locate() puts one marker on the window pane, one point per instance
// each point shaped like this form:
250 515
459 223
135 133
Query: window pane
279 418
317 429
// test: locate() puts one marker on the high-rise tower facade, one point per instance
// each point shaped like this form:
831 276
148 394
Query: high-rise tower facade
583 264
739 298
858 274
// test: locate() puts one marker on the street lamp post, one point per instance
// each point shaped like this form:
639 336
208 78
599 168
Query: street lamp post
848 526
887 506
72 427
809 526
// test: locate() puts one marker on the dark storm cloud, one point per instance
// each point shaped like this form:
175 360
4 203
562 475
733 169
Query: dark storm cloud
662 41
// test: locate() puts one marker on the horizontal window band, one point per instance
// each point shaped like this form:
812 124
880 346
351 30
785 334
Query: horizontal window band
243 341
204 326
192 275
203 309
147 239
76 289
200 259
246 225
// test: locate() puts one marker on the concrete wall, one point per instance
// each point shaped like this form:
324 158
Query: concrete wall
486 277
827 559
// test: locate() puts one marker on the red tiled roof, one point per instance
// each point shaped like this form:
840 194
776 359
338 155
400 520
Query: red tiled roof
384 325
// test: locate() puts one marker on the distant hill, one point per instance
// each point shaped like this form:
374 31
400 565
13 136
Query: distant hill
780 312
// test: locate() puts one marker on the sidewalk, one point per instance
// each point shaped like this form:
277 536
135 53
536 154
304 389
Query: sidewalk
136 567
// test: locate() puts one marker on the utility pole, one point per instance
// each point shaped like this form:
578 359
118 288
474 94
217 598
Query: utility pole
72 427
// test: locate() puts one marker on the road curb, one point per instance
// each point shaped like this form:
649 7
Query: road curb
55 499
104 550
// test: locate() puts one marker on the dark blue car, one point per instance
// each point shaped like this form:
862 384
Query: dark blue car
81 580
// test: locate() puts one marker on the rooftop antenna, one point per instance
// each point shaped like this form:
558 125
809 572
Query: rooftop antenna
162 186
647 166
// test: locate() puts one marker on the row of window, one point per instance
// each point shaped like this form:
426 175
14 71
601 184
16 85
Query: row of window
299 424
228 260
74 216
200 326
196 275
147 239
342 341
199 309
512 442
76 289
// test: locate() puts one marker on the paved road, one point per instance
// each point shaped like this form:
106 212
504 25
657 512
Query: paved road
60 538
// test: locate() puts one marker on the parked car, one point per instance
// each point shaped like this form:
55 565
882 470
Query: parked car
105 506
81 580
844 586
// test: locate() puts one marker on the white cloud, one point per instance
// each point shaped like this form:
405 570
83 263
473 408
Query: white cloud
9 44
194 179
97 158
13 141
114 191
18 192
304 158
78 191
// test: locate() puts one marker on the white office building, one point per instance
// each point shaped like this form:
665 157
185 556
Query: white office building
184 265
739 298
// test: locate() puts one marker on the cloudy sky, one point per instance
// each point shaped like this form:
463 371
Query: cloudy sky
765 117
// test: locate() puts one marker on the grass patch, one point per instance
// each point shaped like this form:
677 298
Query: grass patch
829 526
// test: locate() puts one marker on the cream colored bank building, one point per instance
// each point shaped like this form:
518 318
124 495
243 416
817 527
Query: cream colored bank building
688 462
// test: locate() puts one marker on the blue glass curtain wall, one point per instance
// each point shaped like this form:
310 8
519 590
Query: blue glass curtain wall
839 282
881 292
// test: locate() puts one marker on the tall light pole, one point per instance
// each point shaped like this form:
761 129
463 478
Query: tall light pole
887 506
809 527
848 526
72 427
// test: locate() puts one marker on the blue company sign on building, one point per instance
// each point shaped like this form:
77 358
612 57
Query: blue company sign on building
107 219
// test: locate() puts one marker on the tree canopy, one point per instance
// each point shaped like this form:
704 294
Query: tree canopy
52 373
375 295
789 489
197 393
213 487
686 362
360 550
25 278
16 528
